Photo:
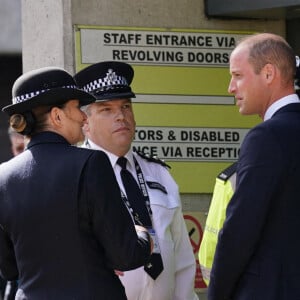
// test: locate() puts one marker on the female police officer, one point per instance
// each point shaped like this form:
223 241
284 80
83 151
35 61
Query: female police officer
63 226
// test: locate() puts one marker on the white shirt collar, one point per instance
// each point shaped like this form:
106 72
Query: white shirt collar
293 98
112 157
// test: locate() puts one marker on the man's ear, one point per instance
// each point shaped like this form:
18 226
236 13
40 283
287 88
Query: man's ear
269 72
86 127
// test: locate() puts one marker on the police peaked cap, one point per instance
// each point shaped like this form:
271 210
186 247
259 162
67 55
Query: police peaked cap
107 80
45 86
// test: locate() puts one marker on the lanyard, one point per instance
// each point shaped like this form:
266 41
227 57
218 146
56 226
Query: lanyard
143 188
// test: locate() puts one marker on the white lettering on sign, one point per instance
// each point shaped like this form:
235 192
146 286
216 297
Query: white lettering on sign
190 144
157 47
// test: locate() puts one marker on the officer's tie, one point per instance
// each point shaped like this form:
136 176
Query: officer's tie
140 213
134 195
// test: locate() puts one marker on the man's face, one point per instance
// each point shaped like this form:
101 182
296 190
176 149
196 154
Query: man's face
73 121
111 125
17 144
249 88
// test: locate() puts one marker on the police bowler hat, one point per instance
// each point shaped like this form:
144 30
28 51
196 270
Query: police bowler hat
107 80
44 86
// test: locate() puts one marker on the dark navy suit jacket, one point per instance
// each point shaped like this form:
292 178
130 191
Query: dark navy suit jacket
63 225
258 251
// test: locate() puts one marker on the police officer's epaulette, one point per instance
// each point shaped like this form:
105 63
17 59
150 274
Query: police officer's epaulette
154 159
228 172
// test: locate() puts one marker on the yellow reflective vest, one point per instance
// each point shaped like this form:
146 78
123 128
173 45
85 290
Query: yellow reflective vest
223 191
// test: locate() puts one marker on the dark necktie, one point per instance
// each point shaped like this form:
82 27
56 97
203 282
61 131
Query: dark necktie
134 196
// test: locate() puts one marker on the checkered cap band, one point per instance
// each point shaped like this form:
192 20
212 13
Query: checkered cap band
103 84
28 96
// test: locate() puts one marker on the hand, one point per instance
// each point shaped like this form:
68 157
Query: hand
119 273
141 228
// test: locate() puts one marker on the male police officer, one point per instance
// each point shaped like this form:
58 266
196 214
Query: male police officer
111 127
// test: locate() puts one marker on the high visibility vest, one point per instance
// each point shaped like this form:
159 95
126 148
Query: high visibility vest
223 191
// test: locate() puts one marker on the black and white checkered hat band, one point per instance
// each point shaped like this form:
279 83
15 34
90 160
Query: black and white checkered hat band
28 96
104 83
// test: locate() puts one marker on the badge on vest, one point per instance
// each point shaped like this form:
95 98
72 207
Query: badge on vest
156 186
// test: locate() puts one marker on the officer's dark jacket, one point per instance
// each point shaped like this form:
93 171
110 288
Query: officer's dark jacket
63 226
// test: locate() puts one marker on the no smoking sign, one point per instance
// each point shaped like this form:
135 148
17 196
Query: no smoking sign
194 223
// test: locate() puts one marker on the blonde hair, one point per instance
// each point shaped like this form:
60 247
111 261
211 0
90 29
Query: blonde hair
17 122
268 48
31 122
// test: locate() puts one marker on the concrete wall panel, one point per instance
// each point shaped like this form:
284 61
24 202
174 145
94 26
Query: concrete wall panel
43 33
47 25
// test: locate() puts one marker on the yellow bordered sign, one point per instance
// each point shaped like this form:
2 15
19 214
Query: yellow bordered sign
183 111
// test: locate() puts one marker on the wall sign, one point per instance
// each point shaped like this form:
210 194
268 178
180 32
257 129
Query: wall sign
183 111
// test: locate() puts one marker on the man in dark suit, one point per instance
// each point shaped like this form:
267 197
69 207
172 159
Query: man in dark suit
63 226
257 255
